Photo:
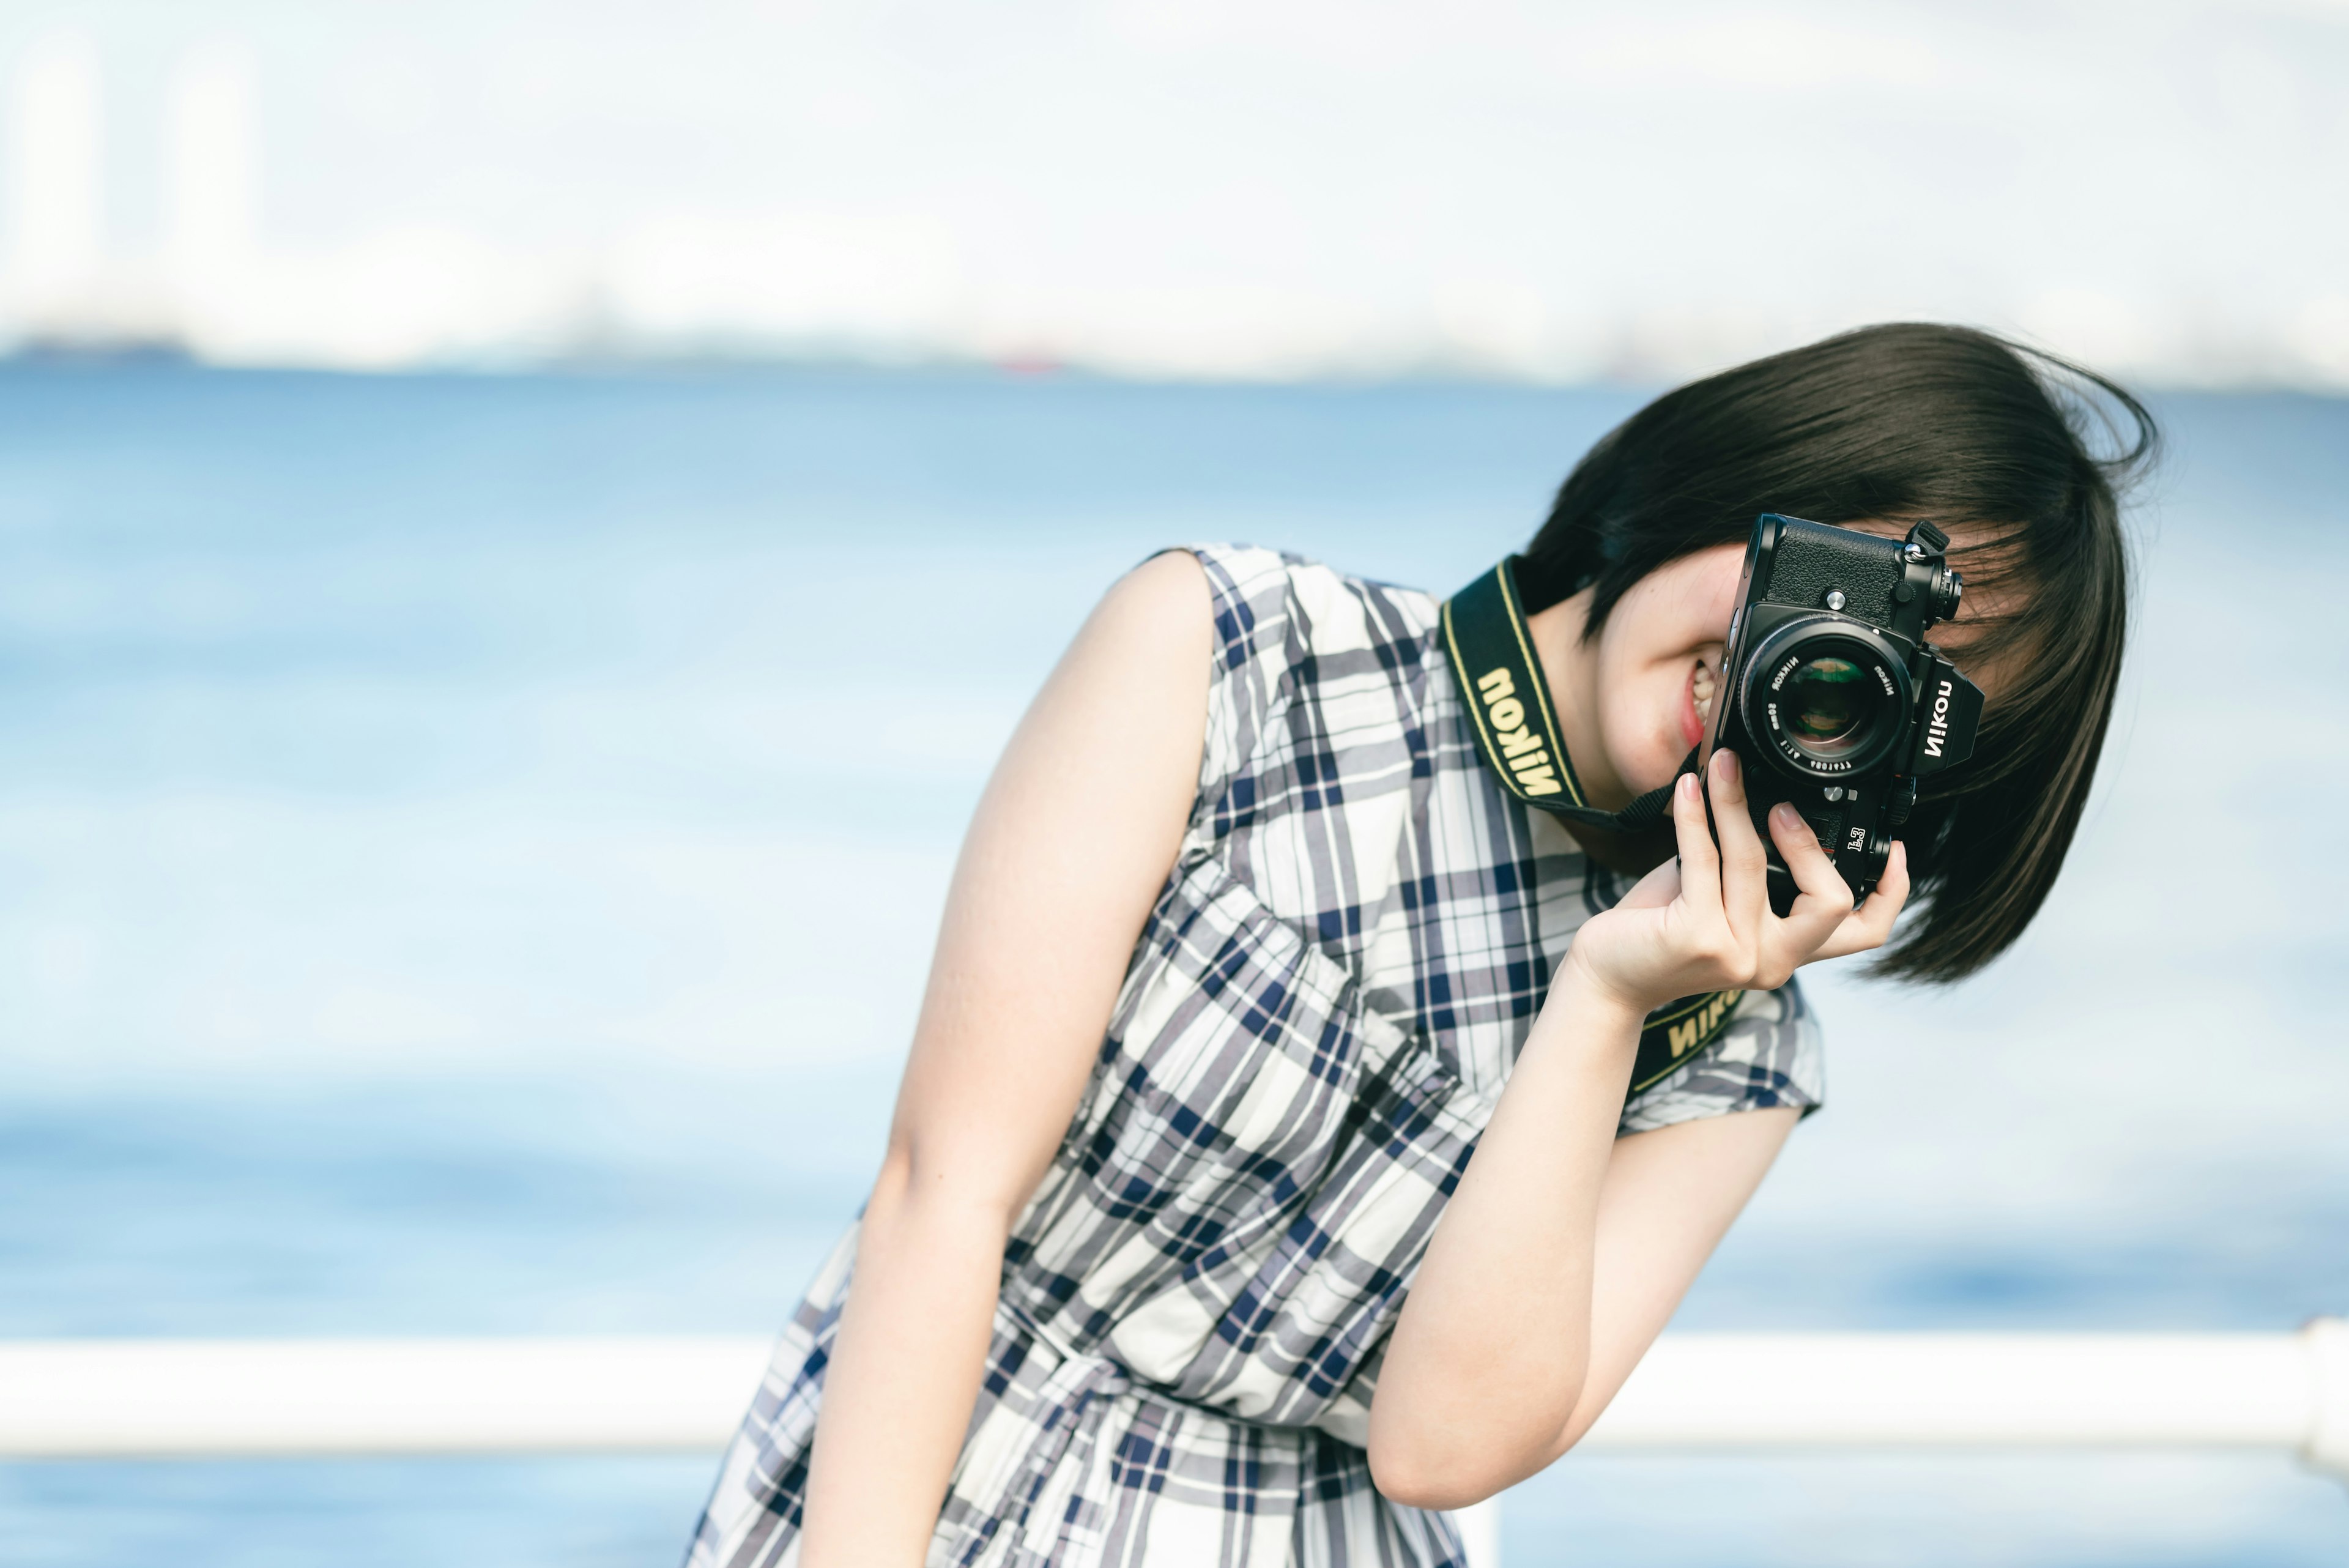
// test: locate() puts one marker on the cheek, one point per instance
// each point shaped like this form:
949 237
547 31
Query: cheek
1648 650
1641 697
1709 592
1680 607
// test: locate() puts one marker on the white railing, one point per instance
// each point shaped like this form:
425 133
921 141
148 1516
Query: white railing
1737 1392
219 1398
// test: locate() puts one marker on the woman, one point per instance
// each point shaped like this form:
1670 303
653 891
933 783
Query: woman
1177 1255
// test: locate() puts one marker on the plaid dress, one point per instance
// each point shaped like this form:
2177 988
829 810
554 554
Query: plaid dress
1318 1019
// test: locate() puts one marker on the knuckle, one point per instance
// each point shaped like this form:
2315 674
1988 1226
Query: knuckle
1733 961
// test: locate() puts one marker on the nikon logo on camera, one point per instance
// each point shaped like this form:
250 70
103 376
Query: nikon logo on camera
1522 751
1937 729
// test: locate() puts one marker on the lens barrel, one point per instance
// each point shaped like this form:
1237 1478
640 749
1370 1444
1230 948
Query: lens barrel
1827 698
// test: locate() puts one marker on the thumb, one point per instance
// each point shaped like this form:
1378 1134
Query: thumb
1654 890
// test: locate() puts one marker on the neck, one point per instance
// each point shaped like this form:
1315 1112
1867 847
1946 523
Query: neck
1570 668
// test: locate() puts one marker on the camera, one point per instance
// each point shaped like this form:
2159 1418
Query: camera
1830 695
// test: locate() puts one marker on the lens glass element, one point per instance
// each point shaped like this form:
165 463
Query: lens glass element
1830 704
1829 699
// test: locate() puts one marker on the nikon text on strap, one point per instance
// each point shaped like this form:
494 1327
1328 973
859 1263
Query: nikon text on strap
1509 708
1517 735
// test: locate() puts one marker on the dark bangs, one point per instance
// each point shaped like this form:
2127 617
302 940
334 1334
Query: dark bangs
2018 455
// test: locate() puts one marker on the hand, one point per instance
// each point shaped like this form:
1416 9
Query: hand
1705 923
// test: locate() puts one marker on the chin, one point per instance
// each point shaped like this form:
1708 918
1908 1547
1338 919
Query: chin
1649 762
1655 767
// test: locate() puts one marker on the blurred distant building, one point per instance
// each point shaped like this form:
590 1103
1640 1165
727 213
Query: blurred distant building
211 178
1524 190
55 204
62 287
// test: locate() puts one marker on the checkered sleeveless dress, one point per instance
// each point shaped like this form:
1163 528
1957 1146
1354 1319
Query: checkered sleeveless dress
1318 1019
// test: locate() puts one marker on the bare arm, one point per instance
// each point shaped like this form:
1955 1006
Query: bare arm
1070 844
1563 1250
1561 1258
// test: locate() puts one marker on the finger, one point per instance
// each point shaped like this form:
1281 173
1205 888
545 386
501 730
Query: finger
1700 861
1823 898
1870 926
1745 864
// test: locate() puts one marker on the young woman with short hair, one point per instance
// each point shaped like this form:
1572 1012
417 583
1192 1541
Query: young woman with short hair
1178 1255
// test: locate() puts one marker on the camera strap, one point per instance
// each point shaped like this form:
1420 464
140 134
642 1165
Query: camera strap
1510 709
1516 730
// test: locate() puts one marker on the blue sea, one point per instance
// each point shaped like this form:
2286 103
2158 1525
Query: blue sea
468 846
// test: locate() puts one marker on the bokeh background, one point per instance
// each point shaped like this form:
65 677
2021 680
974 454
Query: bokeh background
523 528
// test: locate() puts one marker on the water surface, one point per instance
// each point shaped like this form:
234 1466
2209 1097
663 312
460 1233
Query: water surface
469 846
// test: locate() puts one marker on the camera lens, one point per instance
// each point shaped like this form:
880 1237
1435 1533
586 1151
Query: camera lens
1829 699
1830 703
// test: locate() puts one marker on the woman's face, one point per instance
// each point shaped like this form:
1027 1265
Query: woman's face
1654 669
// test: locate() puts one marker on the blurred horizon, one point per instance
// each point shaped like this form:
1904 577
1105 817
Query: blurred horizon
1553 195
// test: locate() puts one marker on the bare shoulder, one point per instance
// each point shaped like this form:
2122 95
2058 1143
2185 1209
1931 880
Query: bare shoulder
1130 695
1167 594
1149 637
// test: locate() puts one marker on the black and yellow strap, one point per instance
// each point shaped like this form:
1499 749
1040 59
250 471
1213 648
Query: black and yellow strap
1517 735
1510 711
1677 1030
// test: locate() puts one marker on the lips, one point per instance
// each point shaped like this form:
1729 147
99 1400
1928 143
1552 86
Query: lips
1696 704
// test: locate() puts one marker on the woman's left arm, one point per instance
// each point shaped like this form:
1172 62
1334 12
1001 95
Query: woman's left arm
1566 1249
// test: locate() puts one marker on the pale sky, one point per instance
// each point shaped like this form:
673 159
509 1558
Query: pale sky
1209 187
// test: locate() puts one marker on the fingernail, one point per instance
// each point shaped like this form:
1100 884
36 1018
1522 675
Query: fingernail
1785 815
1684 787
1728 763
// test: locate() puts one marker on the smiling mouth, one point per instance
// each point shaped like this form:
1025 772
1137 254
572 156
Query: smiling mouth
1698 713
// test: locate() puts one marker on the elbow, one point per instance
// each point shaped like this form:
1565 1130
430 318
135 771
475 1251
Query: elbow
1421 1481
1429 1472
1424 1477
1452 1463
916 1188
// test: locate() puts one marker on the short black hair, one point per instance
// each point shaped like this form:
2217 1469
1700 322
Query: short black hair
2022 454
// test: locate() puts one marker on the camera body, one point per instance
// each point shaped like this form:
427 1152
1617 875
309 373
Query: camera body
1830 695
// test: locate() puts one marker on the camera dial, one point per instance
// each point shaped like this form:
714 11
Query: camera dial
1949 587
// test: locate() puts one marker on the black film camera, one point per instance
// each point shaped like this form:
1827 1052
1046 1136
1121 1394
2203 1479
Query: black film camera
1830 695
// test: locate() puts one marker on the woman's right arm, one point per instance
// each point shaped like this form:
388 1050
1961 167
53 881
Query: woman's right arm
1069 849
